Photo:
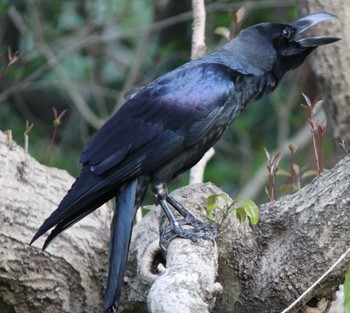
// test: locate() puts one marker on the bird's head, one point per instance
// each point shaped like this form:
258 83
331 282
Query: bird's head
280 47
292 47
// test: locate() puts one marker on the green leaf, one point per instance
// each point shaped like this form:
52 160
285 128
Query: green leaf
252 211
241 215
212 218
231 209
347 291
266 190
210 208
249 207
213 198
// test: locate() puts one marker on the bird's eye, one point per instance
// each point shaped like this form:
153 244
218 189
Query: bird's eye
286 33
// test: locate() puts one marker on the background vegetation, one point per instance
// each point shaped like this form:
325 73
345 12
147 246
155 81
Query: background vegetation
84 55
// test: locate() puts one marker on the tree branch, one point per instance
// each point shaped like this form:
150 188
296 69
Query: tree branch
198 36
296 241
198 50
266 267
262 268
70 275
197 171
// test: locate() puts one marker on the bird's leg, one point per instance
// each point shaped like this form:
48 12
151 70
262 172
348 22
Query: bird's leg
198 230
188 218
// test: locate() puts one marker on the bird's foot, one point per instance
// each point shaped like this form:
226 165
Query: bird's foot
188 227
197 230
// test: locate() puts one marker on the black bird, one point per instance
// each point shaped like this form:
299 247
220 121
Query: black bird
168 125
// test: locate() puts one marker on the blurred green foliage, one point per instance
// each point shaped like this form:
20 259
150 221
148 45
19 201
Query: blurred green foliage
107 47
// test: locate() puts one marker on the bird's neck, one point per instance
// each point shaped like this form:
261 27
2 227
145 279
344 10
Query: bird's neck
252 87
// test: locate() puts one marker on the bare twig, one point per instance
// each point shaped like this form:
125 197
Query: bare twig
317 129
56 124
198 50
83 38
272 168
26 135
11 58
198 36
183 17
197 172
292 162
9 140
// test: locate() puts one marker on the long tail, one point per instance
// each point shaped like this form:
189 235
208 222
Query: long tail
87 194
121 229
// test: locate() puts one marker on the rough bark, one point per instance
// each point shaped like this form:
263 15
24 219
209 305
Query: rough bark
70 275
185 280
188 283
262 268
266 267
331 64
297 239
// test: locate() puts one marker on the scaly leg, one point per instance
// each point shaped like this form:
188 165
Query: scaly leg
199 230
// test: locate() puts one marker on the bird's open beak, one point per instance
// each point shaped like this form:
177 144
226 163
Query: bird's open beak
308 21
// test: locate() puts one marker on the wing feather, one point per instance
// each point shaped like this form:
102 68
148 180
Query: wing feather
176 109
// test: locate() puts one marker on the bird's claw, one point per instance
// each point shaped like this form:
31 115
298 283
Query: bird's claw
198 231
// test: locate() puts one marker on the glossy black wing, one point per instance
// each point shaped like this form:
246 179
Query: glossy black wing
159 119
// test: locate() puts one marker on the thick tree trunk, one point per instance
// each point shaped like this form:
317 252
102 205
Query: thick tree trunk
69 276
262 268
331 65
297 239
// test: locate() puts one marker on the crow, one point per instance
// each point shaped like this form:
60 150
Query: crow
165 128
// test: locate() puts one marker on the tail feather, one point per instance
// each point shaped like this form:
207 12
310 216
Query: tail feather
88 193
81 200
121 229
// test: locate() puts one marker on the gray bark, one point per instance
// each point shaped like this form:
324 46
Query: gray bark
188 283
262 268
297 239
185 281
70 275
